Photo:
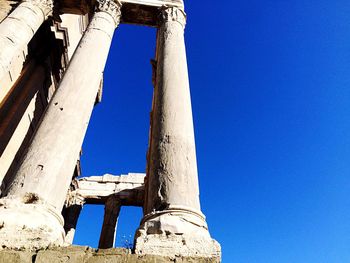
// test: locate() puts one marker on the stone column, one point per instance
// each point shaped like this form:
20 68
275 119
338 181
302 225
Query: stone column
70 222
110 220
44 176
173 223
71 215
19 28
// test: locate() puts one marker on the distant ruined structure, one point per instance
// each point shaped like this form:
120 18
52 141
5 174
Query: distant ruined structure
52 57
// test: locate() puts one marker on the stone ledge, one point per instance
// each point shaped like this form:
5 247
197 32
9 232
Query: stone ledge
79 254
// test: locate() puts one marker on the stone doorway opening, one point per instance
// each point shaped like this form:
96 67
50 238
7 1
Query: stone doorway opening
88 231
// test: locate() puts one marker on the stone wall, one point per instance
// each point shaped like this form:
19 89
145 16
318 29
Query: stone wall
77 254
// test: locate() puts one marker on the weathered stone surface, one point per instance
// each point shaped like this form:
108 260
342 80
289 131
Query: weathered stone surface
8 256
29 225
5 8
176 245
96 189
81 254
68 255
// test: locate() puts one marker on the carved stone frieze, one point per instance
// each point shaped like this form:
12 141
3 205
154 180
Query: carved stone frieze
168 14
112 7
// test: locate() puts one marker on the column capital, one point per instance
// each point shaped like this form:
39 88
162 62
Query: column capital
74 199
45 5
175 14
112 7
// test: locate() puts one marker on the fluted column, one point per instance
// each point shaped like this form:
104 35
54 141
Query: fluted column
110 220
173 223
46 170
19 28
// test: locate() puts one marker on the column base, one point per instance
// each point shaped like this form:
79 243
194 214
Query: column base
29 226
176 232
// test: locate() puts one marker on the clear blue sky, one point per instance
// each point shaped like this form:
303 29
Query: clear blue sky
270 84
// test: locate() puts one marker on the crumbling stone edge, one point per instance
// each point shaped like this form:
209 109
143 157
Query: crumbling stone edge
84 254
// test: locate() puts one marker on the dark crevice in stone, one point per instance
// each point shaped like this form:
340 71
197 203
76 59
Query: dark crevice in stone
34 258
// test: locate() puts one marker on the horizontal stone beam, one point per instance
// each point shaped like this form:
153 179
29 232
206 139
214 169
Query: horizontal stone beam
96 189
157 3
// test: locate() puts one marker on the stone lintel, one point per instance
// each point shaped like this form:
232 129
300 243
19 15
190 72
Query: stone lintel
141 12
127 198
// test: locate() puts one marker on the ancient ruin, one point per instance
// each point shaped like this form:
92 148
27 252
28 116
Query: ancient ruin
52 57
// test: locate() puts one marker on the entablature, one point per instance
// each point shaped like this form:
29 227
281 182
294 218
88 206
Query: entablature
141 12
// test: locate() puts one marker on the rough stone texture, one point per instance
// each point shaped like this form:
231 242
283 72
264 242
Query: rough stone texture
5 8
76 254
174 245
31 226
59 255
8 256
95 189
